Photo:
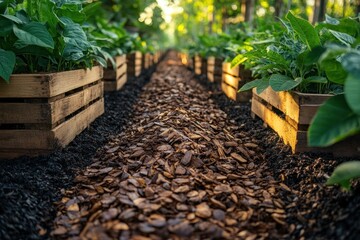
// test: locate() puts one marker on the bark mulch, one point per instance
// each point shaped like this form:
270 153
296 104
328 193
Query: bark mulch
30 186
317 210
182 170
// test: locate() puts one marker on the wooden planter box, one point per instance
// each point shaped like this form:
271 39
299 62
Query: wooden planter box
147 61
114 79
134 61
214 69
233 79
41 112
289 114
200 65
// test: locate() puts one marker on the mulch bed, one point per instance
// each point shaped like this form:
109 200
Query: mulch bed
320 211
30 186
178 161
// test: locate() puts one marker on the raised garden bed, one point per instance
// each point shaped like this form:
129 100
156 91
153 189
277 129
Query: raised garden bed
147 60
290 113
114 79
233 79
214 69
200 65
40 112
134 61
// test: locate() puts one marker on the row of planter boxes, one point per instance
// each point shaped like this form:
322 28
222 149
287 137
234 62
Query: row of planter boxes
41 112
289 114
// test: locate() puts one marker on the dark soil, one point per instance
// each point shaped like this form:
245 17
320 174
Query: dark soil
30 186
322 212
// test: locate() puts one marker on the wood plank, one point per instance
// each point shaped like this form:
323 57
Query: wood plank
26 139
24 113
26 86
68 130
226 67
231 80
109 74
121 71
279 125
69 80
121 59
66 106
121 81
229 91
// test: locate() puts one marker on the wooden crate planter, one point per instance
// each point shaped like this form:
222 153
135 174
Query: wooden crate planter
214 69
200 65
41 112
289 115
134 61
114 79
233 79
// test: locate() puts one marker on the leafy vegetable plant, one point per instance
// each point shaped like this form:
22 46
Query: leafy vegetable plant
44 36
290 61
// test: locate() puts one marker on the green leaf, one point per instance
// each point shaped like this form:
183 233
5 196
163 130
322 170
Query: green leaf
279 82
352 92
250 85
7 64
6 27
344 173
91 9
239 59
33 33
264 84
331 20
333 122
313 56
351 63
343 37
305 30
12 18
334 71
316 79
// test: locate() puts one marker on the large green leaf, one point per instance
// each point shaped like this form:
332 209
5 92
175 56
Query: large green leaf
333 122
279 82
250 85
305 30
264 84
352 92
7 63
12 18
344 38
344 173
351 62
334 71
6 26
33 33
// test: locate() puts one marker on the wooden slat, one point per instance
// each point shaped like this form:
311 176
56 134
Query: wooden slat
66 81
24 113
66 106
231 80
229 91
109 74
279 125
68 130
226 67
121 82
121 71
26 139
26 86
120 60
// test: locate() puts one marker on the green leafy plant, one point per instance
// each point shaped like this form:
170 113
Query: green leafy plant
289 62
344 173
45 36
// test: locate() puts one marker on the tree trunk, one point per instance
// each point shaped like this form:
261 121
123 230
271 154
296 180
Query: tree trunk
249 11
278 8
319 11
344 8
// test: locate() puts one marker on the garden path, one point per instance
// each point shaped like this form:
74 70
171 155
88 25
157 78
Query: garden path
181 170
